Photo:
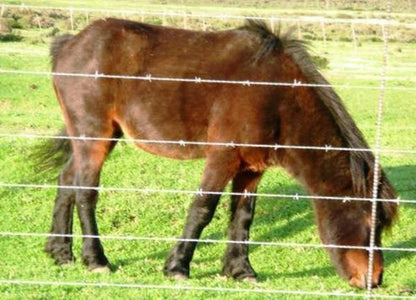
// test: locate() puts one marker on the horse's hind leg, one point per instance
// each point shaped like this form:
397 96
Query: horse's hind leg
59 244
219 169
89 156
236 261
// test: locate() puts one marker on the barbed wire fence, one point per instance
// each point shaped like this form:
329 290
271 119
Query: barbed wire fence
321 22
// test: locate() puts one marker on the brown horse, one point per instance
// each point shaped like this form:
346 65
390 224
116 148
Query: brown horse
108 107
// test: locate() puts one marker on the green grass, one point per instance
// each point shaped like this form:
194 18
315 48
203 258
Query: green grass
28 105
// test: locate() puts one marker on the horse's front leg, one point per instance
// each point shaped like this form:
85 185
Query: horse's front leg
219 169
236 261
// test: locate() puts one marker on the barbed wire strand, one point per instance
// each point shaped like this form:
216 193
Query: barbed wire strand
199 80
199 288
206 241
194 288
295 197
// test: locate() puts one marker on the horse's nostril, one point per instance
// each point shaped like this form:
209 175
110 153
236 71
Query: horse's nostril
358 281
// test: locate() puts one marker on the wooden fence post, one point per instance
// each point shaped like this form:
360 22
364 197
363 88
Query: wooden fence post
164 23
204 24
354 37
272 24
323 31
299 30
71 18
185 21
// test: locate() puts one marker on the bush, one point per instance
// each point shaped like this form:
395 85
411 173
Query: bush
53 32
345 39
10 37
320 61
376 39
308 36
18 22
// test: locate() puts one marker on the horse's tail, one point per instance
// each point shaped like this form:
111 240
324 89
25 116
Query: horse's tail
57 44
53 153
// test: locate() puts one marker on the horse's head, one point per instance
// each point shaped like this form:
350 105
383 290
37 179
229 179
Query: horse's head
353 263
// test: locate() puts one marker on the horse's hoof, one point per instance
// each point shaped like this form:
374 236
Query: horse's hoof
178 277
66 263
175 272
250 279
99 269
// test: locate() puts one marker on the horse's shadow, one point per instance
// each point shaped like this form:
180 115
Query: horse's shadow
393 256
402 178
299 214
299 217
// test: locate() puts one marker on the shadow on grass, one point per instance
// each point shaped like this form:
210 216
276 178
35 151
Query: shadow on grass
392 257
298 216
403 179
321 272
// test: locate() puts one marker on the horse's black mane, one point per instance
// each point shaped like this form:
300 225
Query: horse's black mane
270 40
361 161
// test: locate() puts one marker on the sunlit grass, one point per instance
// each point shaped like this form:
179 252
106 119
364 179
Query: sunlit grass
28 105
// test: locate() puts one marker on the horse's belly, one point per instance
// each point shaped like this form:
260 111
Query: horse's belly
160 134
175 150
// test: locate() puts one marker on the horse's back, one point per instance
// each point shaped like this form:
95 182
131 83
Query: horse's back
164 110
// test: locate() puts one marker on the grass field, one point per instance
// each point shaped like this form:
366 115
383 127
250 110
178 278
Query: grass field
28 105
